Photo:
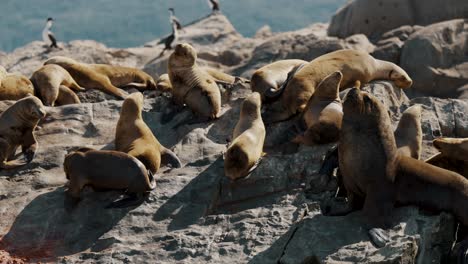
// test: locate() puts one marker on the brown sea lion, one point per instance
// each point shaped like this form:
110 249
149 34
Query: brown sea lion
106 170
245 151
357 68
135 138
269 78
14 86
453 155
48 82
324 113
163 83
408 134
107 78
376 176
17 126
192 85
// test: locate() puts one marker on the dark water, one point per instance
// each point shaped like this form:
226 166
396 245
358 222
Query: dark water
120 23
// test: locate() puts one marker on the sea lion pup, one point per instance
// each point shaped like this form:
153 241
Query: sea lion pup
106 170
192 85
357 68
48 82
107 78
135 138
453 155
246 150
17 126
14 86
269 78
408 134
376 176
324 113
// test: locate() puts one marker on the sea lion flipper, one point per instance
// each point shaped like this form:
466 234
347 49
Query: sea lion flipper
169 157
379 237
138 86
8 165
131 200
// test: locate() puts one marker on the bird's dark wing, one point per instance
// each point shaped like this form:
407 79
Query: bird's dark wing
53 40
178 24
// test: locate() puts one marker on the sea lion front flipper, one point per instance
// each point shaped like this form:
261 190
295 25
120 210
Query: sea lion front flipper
169 157
139 86
379 237
8 165
29 145
131 200
254 167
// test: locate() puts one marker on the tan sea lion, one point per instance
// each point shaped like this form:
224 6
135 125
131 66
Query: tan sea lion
245 151
269 78
192 85
48 82
106 170
17 126
135 138
107 78
14 86
357 68
408 134
163 83
453 155
324 113
376 176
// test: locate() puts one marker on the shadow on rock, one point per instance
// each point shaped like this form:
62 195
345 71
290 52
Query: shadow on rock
195 200
45 230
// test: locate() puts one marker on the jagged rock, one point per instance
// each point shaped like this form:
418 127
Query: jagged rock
389 50
374 18
402 33
436 58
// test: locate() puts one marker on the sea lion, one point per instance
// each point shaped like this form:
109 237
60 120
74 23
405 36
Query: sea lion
107 78
269 78
376 176
245 151
163 83
48 82
408 134
106 170
135 138
323 114
14 86
192 85
453 155
17 126
357 68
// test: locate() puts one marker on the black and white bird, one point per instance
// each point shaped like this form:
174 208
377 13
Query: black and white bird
47 35
173 19
214 4
170 40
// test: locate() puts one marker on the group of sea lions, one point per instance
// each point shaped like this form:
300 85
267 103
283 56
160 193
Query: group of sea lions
379 167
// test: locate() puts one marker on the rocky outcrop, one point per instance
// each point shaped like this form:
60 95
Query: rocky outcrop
436 57
375 17
195 214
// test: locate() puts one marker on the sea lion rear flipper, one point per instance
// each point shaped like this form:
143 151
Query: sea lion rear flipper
169 157
131 200
12 164
379 237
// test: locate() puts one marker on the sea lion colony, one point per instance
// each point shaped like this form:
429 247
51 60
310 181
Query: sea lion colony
379 167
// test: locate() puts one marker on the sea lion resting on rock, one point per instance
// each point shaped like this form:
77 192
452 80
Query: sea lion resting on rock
357 68
270 78
323 114
54 85
135 138
106 170
192 85
453 154
106 78
14 86
245 151
376 176
17 126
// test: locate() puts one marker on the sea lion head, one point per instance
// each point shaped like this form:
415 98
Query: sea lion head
452 147
252 105
363 108
184 55
32 108
400 78
133 105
